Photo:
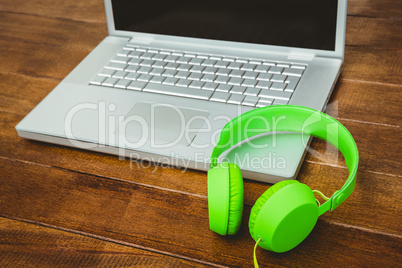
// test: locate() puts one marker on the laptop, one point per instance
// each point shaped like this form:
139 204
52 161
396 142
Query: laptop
169 76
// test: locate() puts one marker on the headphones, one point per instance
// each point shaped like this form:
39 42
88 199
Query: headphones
286 213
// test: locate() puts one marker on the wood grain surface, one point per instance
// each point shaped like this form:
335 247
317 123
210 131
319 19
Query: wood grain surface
65 207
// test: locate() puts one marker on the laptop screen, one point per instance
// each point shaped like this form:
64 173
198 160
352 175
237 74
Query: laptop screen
291 23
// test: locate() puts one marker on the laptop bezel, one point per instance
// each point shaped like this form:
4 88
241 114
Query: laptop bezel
148 38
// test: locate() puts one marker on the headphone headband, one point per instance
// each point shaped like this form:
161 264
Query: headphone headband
293 119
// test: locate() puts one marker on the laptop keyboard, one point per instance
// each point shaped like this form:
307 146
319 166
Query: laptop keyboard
233 80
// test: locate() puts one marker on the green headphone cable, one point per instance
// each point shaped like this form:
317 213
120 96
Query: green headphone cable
255 256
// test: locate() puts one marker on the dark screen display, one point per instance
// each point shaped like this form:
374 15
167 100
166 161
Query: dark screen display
293 23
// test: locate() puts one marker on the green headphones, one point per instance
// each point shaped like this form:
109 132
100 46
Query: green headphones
286 213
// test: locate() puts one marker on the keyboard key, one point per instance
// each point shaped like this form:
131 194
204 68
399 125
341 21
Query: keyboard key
263 84
97 80
132 68
222 79
222 71
220 97
144 70
115 66
293 72
182 74
209 63
119 74
262 68
197 84
119 59
196 61
292 82
170 81
178 91
223 88
134 61
210 86
249 67
250 101
110 82
278 78
236 73
235 65
147 56
280 102
235 99
274 94
183 83
249 83
210 70
208 78
250 75
123 53
235 81
123 83
132 76
172 58
195 76
184 67
106 72
169 73
183 60
172 65
283 64
159 57
157 79
222 64
242 60
252 91
238 90
278 86
159 64
264 77
135 85
135 54
144 78
156 71
275 70
298 66
147 63
197 69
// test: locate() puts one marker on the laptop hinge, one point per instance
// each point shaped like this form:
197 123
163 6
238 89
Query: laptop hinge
299 56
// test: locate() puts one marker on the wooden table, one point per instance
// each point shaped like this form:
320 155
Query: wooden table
67 207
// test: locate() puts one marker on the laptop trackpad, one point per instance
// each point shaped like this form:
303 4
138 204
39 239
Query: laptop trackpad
163 124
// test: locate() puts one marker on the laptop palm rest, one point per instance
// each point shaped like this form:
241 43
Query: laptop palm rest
163 124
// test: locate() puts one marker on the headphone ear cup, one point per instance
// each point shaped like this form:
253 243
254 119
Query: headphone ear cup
284 217
236 196
225 198
262 200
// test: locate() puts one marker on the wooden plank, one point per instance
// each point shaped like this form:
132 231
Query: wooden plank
51 31
316 172
379 33
39 60
29 245
373 65
390 9
91 10
366 102
169 221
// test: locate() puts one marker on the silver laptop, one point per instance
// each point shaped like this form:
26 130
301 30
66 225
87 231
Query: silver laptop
170 75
